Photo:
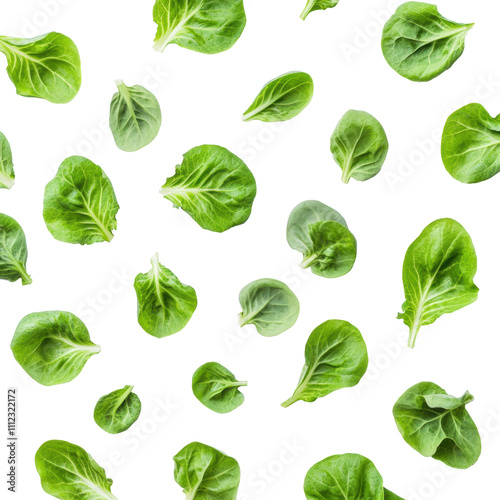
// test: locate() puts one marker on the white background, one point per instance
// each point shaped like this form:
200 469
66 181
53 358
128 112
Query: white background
202 99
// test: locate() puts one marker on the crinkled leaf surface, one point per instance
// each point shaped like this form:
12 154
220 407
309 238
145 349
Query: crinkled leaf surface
80 204
419 43
336 357
438 425
213 186
438 272
7 176
53 346
164 304
13 251
313 5
47 66
217 388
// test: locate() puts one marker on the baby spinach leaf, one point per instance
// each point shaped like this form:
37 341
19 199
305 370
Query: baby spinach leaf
52 347
313 5
359 146
164 304
320 233
438 272
438 425
79 204
270 305
68 472
135 117
470 147
336 357
217 388
206 473
420 44
47 66
208 26
13 251
349 476
282 98
7 176
213 186
117 411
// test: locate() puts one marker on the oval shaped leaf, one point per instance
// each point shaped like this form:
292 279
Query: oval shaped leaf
438 272
470 147
13 251
118 410
359 146
217 388
135 117
313 5
336 357
270 305
204 472
282 98
69 472
164 304
438 425
47 66
208 26
213 186
320 233
7 176
52 347
420 44
80 205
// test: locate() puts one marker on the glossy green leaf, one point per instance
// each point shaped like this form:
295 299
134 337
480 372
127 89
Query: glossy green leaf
68 472
336 357
438 425
164 304
13 251
80 205
282 98
117 411
208 26
213 186
359 146
470 147
420 44
438 272
135 117
47 66
270 305
313 5
52 347
7 176
320 233
345 477
217 388
205 473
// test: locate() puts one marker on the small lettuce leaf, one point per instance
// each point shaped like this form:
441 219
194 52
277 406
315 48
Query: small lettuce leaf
68 472
206 473
336 357
282 99
208 26
313 5
7 175
52 347
47 66
80 204
164 304
217 388
118 410
213 186
13 251
135 117
438 425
